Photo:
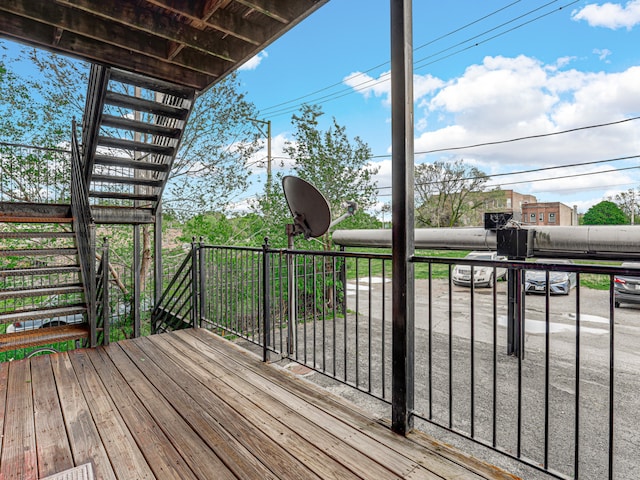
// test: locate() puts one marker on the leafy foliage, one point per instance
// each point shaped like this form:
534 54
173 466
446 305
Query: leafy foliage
628 203
210 170
604 213
445 192
336 165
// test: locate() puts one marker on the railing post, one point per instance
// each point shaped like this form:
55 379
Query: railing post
266 300
92 286
194 282
105 292
137 281
292 291
343 280
202 275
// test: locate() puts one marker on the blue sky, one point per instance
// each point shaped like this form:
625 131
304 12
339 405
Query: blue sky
485 71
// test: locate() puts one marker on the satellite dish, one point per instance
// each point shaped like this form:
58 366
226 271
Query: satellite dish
310 210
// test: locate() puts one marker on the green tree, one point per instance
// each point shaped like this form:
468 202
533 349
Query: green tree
336 165
209 171
447 191
604 213
628 203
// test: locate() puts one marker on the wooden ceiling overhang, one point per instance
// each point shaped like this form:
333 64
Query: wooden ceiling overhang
193 43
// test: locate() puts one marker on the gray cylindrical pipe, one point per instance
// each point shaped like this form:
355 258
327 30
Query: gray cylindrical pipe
592 241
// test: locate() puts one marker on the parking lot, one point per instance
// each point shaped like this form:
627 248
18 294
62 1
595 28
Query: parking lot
574 362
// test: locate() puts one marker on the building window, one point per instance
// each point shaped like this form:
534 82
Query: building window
541 216
552 218
532 218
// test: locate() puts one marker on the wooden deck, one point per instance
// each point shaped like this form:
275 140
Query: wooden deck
191 405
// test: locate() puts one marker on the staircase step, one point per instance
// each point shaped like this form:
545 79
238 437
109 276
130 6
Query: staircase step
151 83
23 234
128 163
41 292
32 271
12 212
28 252
144 105
40 313
124 196
141 127
43 336
125 144
146 182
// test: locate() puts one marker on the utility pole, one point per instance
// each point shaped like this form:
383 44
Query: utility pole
268 135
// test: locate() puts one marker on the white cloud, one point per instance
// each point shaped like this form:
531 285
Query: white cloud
506 98
254 61
381 87
610 15
368 86
602 53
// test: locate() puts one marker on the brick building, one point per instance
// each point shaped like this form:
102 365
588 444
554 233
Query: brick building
548 213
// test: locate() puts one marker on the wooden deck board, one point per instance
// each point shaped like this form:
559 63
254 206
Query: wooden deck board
54 451
189 405
18 460
84 438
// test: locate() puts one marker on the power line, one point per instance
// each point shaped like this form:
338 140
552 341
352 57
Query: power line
517 139
384 78
340 83
542 179
536 170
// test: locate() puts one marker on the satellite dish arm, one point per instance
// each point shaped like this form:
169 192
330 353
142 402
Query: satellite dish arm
351 209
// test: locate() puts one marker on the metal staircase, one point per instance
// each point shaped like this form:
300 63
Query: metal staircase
41 293
50 289
132 127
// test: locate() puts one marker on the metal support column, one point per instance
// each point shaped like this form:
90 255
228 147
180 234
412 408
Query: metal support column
137 264
402 215
157 258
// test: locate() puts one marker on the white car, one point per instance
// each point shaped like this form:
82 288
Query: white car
482 275
27 325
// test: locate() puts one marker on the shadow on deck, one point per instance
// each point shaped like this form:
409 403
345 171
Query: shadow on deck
189 404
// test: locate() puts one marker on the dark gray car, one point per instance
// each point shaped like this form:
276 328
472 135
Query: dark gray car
626 289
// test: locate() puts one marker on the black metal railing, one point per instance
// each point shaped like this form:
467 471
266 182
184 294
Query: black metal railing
547 380
84 229
96 91
34 174
103 306
178 305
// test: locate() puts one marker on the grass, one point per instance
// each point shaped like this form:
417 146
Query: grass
421 269
587 280
594 281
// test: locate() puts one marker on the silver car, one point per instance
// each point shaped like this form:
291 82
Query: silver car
560 283
482 275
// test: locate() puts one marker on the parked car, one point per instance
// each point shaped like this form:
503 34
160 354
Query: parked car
626 288
560 283
482 275
27 325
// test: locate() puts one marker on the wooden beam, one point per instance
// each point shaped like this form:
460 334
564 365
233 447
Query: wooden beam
130 37
279 11
164 24
40 35
224 21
